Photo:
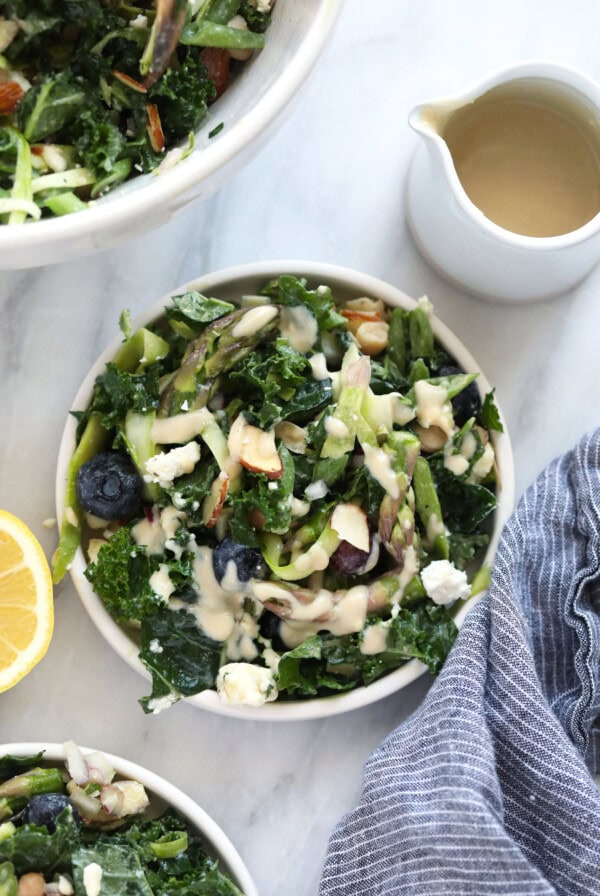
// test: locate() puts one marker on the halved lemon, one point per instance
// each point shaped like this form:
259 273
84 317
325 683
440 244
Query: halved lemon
26 601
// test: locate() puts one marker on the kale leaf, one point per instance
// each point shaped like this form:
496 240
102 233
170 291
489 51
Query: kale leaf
489 415
121 575
32 848
182 96
324 663
289 290
258 497
46 108
117 392
188 660
122 871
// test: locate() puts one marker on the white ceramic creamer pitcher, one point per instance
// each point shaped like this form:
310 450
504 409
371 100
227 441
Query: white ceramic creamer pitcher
453 233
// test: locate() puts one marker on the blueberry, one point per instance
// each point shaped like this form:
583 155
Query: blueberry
468 402
109 486
247 561
43 810
269 625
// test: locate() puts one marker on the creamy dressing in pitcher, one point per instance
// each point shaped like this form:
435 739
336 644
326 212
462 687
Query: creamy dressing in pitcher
530 161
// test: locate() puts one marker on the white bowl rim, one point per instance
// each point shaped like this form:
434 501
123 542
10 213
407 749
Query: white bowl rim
359 284
181 178
210 831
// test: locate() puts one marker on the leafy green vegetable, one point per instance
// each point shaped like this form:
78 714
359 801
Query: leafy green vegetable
272 503
33 849
287 290
193 308
122 872
118 392
87 62
121 577
489 415
188 661
425 632
47 108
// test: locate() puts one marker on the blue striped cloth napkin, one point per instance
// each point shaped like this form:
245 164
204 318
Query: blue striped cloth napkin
486 789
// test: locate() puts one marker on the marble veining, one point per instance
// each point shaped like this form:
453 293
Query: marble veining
329 186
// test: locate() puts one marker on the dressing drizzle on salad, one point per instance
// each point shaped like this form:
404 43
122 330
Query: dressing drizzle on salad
295 481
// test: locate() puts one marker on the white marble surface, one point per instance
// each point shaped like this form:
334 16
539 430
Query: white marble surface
329 187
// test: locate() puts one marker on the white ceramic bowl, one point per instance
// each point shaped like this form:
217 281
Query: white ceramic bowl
251 108
231 284
162 795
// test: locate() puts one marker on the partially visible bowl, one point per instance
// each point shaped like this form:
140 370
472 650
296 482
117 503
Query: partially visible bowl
232 284
162 795
251 109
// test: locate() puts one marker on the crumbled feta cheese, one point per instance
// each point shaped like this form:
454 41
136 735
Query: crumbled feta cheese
65 887
157 704
165 467
92 879
140 22
265 6
155 646
71 517
444 583
316 490
245 684
482 465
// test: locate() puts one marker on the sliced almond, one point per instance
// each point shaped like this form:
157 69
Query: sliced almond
128 81
372 337
350 523
293 437
356 317
364 303
257 452
155 131
431 438
213 503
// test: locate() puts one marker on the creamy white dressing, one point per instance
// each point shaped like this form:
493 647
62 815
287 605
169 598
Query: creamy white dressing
181 428
435 527
336 428
299 326
456 463
254 320
469 446
374 639
161 584
328 612
408 572
482 465
379 466
150 534
433 406
216 609
318 365
241 644
299 508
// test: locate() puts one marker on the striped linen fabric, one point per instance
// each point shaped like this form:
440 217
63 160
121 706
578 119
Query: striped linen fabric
486 789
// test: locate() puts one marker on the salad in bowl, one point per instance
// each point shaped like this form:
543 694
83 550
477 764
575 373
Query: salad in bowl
77 822
282 495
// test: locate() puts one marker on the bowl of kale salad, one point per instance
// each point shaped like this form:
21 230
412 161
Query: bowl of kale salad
113 116
281 489
80 821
